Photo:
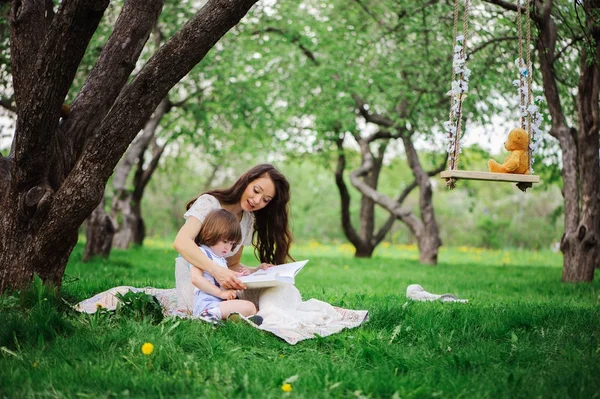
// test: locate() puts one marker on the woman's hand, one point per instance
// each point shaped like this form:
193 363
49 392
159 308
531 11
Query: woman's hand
265 266
228 295
227 279
245 270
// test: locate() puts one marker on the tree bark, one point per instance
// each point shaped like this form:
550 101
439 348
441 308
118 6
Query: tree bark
99 232
132 230
365 241
126 211
581 244
429 238
57 175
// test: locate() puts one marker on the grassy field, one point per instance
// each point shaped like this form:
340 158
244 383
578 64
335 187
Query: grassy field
522 334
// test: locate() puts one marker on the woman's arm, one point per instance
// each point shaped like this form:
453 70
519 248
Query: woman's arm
185 245
234 263
203 284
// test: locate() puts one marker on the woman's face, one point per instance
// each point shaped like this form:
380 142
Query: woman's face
258 194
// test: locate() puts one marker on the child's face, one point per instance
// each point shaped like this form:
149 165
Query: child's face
222 247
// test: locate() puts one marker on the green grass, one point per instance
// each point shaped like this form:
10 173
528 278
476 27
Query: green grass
523 333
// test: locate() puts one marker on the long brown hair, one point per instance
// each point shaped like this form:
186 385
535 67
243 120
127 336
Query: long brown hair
272 238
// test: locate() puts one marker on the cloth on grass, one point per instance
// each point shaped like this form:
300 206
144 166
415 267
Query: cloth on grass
418 293
284 312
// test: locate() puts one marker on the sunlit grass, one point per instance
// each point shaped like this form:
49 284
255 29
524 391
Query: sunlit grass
452 255
522 334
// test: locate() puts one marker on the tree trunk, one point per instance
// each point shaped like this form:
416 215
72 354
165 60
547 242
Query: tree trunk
59 166
139 229
425 228
364 252
365 241
579 147
132 229
99 232
429 237
125 209
581 244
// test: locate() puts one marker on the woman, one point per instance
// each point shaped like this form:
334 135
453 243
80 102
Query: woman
259 200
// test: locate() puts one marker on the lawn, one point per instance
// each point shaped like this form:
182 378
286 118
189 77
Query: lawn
522 334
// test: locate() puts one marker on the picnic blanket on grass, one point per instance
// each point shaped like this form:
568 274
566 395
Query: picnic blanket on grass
284 312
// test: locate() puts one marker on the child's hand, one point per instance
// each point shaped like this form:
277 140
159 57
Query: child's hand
228 294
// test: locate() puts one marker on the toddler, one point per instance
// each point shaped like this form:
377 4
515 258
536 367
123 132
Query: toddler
219 235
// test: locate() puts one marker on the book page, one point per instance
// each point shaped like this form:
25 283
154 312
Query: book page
284 270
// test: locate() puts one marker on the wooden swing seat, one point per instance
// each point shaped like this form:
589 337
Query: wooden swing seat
489 176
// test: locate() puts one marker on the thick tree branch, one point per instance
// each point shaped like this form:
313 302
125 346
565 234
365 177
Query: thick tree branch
380 120
386 135
157 152
26 36
57 62
504 4
400 200
139 146
415 225
139 99
513 7
110 74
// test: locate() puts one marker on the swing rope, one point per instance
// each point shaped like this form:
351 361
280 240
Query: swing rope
531 115
525 80
460 78
528 106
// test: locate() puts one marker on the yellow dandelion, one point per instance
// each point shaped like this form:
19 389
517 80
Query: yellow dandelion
281 355
286 387
147 348
34 364
346 267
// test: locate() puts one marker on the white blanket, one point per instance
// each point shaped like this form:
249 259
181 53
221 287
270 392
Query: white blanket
284 312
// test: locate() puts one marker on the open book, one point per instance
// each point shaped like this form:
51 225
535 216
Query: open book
276 275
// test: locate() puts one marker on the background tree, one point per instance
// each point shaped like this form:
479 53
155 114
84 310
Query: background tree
355 68
566 32
59 165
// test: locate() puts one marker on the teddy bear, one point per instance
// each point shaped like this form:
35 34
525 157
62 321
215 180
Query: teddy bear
518 161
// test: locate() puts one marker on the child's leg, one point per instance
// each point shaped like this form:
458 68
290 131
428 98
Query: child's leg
243 307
